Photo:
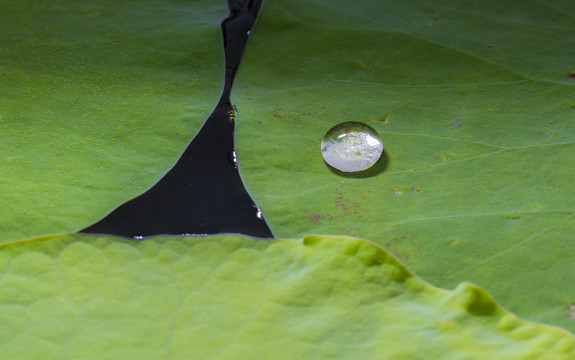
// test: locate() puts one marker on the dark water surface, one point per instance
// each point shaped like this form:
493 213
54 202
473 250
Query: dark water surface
203 193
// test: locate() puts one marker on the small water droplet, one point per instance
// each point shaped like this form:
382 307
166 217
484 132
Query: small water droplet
248 32
351 147
259 214
233 160
138 237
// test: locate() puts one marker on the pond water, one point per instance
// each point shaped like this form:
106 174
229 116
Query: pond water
203 193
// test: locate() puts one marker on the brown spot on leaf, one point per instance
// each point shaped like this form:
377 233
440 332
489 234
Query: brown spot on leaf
570 75
315 218
402 246
278 113
382 119
348 231
434 13
513 217
347 207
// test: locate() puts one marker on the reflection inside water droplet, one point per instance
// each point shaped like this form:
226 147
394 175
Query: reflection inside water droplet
351 147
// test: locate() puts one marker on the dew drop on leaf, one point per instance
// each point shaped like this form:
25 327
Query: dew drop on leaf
351 147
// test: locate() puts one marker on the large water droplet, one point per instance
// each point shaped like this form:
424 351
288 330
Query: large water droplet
351 147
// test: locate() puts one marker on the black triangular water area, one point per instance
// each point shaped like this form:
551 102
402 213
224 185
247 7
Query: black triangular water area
203 193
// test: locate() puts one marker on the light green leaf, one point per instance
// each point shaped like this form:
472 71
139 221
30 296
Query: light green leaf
97 100
234 297
475 106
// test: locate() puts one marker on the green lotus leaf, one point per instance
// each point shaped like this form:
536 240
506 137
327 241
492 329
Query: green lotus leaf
97 100
475 105
234 297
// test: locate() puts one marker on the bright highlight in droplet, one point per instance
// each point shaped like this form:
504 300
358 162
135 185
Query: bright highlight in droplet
351 147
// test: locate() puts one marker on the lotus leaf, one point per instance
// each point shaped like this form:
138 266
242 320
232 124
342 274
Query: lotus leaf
97 100
475 104
233 297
